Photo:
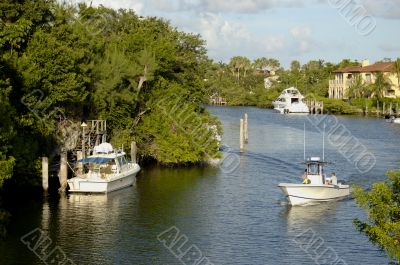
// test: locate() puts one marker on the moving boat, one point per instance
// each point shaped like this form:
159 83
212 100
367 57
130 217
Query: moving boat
316 187
104 171
290 101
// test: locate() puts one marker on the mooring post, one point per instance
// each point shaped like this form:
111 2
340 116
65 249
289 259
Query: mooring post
322 107
246 132
79 156
45 174
63 174
366 109
241 136
384 109
377 108
84 125
133 151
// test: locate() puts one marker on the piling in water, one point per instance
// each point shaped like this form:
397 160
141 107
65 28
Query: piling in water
133 151
63 173
45 174
79 156
246 132
377 108
384 109
241 136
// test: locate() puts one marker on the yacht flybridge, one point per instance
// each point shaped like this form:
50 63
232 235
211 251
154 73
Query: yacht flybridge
291 101
104 171
316 187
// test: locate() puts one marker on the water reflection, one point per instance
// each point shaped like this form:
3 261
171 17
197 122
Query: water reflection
300 218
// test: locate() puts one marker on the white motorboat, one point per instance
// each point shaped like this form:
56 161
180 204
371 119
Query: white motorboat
290 101
393 119
316 187
104 171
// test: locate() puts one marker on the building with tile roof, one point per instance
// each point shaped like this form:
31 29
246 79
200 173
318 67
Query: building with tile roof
344 77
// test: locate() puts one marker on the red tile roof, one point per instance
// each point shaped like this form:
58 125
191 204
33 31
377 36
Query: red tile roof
376 67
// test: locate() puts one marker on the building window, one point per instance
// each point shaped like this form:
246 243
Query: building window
391 93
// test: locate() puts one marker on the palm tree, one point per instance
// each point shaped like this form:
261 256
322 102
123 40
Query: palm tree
357 88
235 64
260 63
246 64
238 63
396 70
274 64
381 85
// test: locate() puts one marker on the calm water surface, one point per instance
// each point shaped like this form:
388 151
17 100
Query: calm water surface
233 218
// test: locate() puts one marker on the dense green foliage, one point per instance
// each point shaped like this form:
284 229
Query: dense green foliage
241 81
382 204
63 64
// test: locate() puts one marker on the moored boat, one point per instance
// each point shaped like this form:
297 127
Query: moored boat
104 171
291 101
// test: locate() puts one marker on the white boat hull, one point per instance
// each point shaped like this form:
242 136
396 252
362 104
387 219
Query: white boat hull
125 179
299 108
299 194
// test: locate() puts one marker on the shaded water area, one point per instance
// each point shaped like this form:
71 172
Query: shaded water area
234 216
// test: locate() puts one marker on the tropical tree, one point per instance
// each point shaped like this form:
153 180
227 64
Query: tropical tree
246 63
357 88
396 70
381 85
237 63
295 66
382 204
260 63
274 64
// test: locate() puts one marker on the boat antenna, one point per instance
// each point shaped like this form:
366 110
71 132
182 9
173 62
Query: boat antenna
304 142
323 144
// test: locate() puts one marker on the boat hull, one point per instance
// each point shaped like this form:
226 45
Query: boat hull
126 179
301 109
299 194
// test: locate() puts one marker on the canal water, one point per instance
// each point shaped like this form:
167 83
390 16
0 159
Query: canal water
234 214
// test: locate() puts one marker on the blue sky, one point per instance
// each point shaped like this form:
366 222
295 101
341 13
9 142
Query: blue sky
283 29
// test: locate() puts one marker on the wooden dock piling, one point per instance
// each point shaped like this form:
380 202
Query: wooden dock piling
315 107
133 151
79 156
63 173
45 174
377 108
384 109
246 132
241 136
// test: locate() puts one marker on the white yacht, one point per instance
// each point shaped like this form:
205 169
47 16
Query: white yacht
104 171
316 187
290 101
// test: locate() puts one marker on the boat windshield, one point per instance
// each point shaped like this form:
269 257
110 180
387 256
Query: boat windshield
122 161
314 169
